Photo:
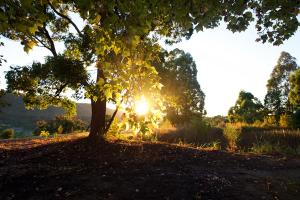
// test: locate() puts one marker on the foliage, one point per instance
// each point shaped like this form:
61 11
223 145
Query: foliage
232 134
181 91
1 56
43 84
7 133
115 38
277 100
114 129
294 93
44 134
196 133
2 102
274 148
247 109
217 121
60 125
60 129
211 146
245 137
295 119
143 124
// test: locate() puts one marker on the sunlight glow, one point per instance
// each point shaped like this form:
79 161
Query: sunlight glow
142 106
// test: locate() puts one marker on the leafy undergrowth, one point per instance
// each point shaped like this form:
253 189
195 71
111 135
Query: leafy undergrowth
73 168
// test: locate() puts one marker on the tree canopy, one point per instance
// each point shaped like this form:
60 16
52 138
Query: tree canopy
294 93
247 109
181 91
278 87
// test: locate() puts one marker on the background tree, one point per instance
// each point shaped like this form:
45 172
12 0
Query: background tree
294 97
113 33
2 92
181 91
278 87
246 109
294 93
1 56
2 102
217 121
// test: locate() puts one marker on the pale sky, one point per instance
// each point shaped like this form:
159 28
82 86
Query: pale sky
227 63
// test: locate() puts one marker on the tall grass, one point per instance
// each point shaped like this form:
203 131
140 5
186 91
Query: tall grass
283 138
197 133
232 134
235 137
262 140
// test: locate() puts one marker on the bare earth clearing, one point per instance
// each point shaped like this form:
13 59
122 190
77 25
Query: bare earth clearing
71 168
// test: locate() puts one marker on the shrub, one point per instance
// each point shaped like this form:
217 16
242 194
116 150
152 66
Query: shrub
60 129
69 124
44 134
8 133
60 125
41 125
232 133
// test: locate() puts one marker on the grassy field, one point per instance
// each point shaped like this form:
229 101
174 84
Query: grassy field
235 137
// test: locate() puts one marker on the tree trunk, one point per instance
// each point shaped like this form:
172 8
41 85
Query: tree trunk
97 130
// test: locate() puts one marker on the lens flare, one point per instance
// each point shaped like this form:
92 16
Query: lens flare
142 106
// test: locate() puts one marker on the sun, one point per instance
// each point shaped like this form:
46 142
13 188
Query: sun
141 106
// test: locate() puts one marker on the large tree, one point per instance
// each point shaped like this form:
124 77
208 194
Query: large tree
112 39
2 92
294 93
181 91
278 87
246 109
294 98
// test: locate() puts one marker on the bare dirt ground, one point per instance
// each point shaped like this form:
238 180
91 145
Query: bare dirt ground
72 168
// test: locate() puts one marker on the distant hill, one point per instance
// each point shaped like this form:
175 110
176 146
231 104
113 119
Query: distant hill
15 115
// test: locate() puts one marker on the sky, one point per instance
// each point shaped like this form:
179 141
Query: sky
227 63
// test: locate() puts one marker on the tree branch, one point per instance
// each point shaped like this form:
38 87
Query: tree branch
43 44
114 114
66 18
52 46
111 119
59 90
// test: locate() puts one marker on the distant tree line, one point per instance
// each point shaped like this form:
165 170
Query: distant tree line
281 106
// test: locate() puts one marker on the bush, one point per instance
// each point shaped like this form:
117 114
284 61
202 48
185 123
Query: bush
7 133
44 134
60 129
232 133
60 125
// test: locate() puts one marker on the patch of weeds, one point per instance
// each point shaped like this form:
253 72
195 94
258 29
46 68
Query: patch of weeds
44 134
232 133
267 147
216 145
